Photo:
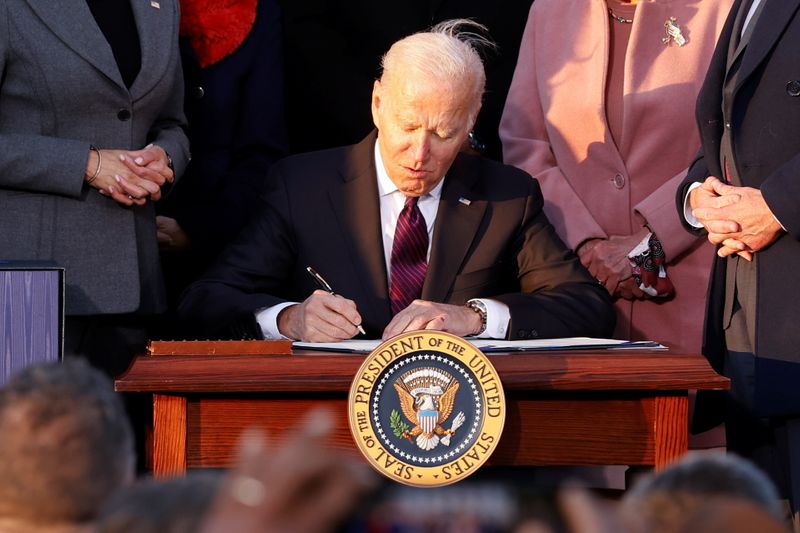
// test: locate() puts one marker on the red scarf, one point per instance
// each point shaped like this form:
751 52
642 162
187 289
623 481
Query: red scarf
216 28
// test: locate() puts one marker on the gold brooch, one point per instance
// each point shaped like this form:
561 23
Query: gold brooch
673 32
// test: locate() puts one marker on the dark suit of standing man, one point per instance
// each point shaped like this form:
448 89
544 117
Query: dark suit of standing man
748 112
489 237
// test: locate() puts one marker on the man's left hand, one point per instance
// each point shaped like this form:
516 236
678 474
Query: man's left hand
758 227
421 314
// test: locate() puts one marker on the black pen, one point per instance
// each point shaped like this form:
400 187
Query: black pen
325 286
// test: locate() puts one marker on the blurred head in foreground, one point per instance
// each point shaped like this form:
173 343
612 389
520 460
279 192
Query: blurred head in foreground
66 446
686 489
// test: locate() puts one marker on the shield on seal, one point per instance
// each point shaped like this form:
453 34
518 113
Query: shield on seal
427 420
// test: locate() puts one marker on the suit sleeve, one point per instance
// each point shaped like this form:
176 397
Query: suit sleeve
558 296
781 191
698 171
659 214
36 163
526 144
248 276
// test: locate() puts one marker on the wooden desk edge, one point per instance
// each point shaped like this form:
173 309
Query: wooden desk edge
307 371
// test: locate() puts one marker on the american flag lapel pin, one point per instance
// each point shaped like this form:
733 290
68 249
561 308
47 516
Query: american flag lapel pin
155 4
464 201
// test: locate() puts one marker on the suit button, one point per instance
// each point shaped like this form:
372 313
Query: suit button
618 181
198 92
793 88
534 333
522 334
124 114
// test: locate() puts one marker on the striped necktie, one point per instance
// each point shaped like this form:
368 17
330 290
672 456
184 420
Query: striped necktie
409 256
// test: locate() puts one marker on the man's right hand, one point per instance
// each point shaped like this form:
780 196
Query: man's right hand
322 317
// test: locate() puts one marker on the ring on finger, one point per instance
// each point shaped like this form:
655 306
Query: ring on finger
248 491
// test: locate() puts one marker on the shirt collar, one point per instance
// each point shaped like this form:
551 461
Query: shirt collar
386 186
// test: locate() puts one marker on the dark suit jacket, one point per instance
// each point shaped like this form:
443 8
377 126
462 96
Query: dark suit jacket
324 212
765 125
237 131
333 50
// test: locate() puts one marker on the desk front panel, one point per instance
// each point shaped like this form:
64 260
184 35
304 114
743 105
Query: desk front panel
558 428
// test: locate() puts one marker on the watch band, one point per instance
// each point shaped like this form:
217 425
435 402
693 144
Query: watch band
480 308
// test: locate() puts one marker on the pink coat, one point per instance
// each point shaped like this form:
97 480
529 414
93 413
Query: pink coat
554 127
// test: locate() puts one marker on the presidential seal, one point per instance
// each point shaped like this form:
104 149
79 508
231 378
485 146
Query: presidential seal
426 408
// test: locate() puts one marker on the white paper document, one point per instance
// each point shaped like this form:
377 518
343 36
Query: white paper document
493 345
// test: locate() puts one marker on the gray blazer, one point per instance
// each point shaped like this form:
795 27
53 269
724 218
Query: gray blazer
60 91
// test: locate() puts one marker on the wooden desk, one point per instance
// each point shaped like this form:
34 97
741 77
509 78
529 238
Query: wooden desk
567 408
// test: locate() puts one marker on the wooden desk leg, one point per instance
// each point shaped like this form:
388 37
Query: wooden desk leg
169 435
671 429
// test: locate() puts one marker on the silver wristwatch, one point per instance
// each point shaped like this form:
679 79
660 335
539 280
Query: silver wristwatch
479 307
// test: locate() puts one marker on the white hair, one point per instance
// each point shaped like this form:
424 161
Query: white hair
448 53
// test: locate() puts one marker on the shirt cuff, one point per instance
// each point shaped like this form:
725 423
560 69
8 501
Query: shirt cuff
641 248
779 223
268 321
687 210
498 317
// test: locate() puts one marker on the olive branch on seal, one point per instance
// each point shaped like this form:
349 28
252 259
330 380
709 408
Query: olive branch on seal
399 427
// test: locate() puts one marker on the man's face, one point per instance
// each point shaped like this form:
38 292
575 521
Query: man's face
421 127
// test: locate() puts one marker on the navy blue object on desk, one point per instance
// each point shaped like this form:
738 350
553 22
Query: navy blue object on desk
31 314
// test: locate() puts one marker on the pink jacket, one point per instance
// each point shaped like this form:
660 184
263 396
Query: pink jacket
554 128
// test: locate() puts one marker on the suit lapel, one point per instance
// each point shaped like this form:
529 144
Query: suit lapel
73 23
773 20
157 26
723 52
454 231
357 209
735 44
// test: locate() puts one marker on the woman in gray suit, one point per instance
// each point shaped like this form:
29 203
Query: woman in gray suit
91 132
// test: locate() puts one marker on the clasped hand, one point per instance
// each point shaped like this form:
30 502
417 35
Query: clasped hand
130 177
607 260
325 317
736 218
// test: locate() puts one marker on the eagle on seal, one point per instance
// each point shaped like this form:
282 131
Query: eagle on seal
426 398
